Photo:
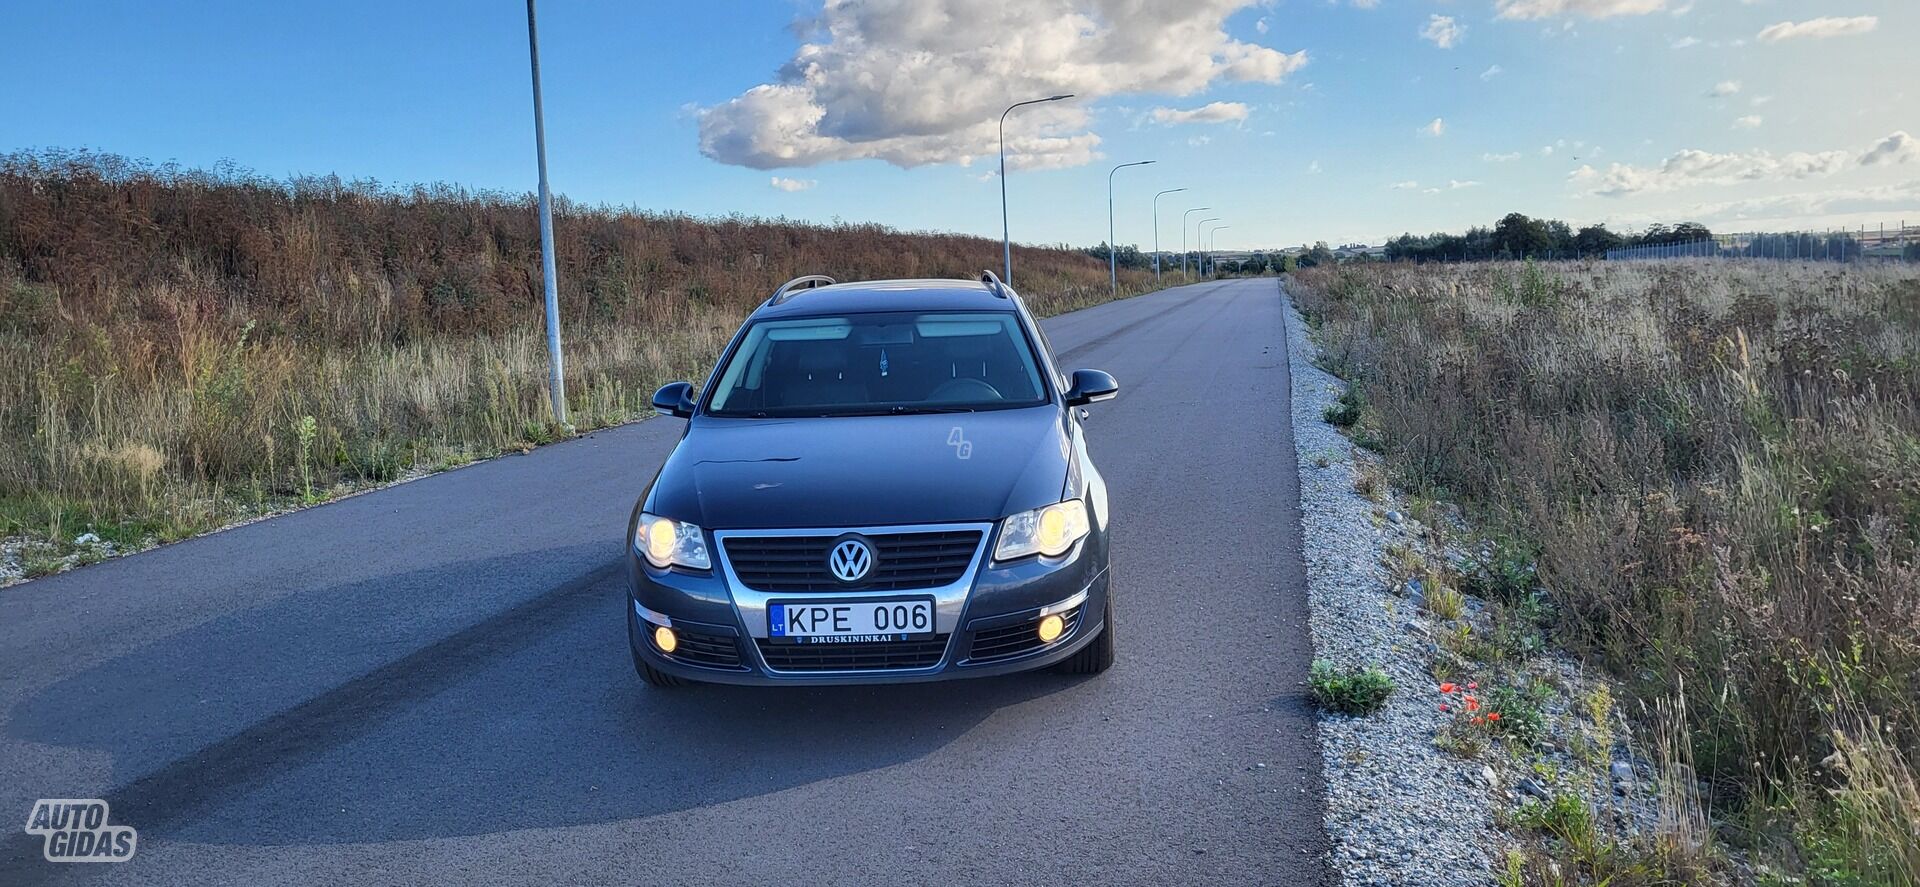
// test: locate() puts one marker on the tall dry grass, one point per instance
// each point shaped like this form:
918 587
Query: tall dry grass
1717 468
178 347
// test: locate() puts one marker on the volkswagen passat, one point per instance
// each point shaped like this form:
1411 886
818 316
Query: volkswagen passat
880 482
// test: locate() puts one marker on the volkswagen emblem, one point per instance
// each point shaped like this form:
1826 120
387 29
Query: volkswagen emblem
850 559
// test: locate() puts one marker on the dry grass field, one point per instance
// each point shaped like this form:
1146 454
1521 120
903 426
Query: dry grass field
1714 467
179 349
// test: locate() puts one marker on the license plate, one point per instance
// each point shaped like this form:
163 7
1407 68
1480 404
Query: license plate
849 622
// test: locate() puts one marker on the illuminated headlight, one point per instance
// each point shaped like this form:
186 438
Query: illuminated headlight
1051 531
671 543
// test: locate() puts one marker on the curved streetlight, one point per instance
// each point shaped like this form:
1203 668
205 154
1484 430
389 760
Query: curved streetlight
1006 242
1183 236
1199 244
1156 231
1113 260
1210 243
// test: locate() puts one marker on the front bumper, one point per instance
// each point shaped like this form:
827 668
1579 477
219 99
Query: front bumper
989 631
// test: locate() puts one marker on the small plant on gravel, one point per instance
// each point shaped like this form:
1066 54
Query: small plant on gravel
1356 690
1464 643
1346 411
1520 718
1369 482
1470 721
1445 602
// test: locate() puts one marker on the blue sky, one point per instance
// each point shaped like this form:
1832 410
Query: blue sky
1305 119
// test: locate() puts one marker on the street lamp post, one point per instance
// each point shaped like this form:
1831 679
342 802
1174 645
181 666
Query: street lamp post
1183 236
1113 255
1156 231
556 370
1211 235
1006 241
1200 244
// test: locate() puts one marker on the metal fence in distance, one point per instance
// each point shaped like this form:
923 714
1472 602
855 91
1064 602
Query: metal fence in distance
1901 243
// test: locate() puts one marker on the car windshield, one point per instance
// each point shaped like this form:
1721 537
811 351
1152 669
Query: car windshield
873 364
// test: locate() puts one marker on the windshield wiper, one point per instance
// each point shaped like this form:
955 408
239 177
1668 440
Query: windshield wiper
908 411
898 410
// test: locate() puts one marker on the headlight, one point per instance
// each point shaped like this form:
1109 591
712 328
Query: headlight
671 543
1051 531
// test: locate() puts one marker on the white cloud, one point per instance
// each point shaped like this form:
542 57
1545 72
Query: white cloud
1436 129
1260 26
1500 158
915 82
1313 169
1695 167
1751 121
1896 148
1404 186
1197 141
1213 112
1810 210
1684 43
1725 88
1443 31
790 185
1532 9
1492 72
1825 26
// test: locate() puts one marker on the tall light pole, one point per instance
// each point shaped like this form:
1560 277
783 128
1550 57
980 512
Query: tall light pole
1183 236
1210 242
1006 241
1156 231
1199 243
556 374
1113 254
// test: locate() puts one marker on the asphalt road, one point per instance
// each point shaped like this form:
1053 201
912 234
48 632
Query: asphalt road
429 684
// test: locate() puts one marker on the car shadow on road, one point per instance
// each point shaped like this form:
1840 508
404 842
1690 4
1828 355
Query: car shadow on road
529 718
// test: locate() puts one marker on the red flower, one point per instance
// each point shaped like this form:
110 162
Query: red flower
1473 685
1473 704
1493 716
1448 687
1443 706
1477 719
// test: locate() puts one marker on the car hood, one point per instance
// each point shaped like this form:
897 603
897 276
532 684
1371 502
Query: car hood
863 470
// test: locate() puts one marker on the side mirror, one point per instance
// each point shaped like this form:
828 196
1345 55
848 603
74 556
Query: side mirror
1091 386
675 399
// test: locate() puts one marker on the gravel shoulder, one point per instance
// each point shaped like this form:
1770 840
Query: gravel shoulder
1399 810
1404 804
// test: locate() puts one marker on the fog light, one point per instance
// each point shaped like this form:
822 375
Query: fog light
1050 629
664 639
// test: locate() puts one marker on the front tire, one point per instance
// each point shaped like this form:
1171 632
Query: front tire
1095 657
655 677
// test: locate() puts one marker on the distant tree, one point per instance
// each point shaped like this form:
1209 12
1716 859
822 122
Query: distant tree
1518 236
1320 254
1595 240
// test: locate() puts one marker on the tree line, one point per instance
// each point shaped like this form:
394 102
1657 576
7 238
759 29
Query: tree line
1519 236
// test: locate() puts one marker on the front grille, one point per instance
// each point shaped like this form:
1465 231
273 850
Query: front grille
902 561
1014 640
706 650
888 656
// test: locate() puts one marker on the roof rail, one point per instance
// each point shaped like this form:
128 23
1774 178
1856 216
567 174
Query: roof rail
804 282
993 284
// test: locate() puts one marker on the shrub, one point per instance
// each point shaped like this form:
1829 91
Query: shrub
1355 690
